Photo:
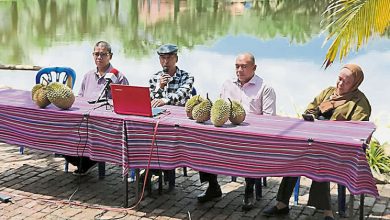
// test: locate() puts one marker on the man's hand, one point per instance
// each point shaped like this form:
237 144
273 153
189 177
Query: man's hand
164 79
157 103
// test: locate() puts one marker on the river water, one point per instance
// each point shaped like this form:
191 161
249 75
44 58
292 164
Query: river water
285 37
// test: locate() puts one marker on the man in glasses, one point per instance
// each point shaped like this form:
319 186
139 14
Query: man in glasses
169 86
256 97
91 87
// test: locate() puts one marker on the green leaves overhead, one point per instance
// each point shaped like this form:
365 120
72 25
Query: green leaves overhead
351 23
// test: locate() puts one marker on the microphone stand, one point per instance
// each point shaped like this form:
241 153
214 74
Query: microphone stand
105 100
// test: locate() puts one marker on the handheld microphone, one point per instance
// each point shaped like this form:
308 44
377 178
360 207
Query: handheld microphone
165 70
111 77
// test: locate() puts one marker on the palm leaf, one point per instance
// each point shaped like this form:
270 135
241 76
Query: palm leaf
351 23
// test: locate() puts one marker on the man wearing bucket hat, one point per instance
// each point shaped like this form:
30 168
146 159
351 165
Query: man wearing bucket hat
169 86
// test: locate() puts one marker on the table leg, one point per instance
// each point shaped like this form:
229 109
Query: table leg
102 169
350 206
137 184
126 187
361 214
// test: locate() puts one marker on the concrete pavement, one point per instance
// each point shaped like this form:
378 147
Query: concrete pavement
40 189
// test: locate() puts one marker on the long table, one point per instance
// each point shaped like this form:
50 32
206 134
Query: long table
261 146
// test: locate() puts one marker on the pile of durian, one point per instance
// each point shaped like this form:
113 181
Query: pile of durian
57 93
202 110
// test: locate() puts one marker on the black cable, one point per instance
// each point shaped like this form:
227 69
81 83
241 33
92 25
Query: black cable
85 116
99 216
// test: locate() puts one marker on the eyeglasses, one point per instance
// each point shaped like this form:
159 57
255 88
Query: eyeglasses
243 66
102 54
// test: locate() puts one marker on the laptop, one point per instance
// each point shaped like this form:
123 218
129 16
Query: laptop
133 100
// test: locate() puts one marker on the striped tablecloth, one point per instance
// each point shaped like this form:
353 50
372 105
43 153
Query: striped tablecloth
261 146
78 131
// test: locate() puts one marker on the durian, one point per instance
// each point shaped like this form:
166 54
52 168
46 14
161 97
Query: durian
201 112
220 112
191 103
40 97
60 95
237 113
34 89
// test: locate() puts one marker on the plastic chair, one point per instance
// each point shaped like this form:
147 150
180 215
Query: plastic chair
66 75
45 76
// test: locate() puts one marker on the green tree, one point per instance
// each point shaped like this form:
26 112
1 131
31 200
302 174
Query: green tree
351 23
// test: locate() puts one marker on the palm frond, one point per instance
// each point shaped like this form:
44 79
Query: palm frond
351 23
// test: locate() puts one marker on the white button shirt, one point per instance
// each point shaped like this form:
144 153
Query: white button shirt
255 95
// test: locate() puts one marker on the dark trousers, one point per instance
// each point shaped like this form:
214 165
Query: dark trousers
169 175
319 195
209 177
249 185
80 162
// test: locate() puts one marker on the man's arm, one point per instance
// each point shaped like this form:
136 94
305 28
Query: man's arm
183 93
155 91
269 101
82 88
123 80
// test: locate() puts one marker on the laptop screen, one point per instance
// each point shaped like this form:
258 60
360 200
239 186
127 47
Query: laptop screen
133 100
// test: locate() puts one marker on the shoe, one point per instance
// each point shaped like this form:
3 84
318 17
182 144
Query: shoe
148 184
248 204
84 171
328 218
275 211
210 194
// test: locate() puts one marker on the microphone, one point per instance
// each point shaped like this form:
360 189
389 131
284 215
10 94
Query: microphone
165 71
111 77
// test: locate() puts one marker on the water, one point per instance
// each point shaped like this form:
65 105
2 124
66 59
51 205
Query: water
285 37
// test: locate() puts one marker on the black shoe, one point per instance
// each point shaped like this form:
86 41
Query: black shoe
248 204
84 171
275 211
328 218
210 194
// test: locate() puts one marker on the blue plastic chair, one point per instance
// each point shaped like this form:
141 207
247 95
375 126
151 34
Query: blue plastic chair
65 75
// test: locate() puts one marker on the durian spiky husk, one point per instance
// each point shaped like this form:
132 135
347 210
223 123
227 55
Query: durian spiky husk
220 112
35 89
237 113
191 103
60 95
40 97
201 112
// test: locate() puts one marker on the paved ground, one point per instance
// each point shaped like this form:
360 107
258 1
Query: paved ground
41 190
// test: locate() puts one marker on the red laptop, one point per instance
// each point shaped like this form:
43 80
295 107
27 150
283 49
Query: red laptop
133 100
